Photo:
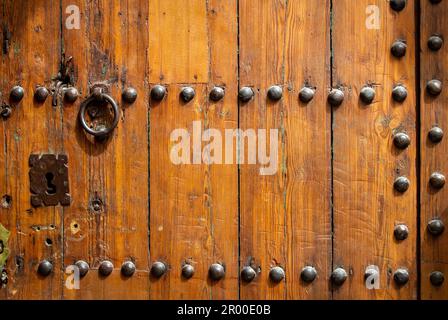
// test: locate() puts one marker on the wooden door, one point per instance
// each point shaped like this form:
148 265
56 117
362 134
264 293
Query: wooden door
275 149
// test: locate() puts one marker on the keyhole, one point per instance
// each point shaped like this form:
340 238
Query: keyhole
51 188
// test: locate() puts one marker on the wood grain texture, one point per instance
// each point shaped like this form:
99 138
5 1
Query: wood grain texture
263 217
366 163
179 50
29 58
307 148
194 208
110 48
434 204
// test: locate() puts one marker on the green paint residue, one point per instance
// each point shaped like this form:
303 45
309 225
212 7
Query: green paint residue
4 237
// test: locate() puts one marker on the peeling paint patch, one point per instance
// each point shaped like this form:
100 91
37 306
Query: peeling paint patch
4 250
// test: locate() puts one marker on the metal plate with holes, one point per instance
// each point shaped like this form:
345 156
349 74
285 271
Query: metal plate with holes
49 180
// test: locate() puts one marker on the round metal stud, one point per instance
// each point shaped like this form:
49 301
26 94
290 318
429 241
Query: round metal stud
216 271
158 92
71 95
5 112
435 1
245 94
437 180
106 267
41 94
83 268
399 93
367 95
128 269
401 184
129 95
45 268
187 271
275 93
158 269
335 97
437 278
338 276
435 42
187 94
434 87
217 93
248 274
436 227
435 134
397 5
306 94
277 274
308 274
402 140
401 276
17 93
398 49
401 232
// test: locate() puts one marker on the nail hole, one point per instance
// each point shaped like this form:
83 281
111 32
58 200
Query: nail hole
6 201
48 242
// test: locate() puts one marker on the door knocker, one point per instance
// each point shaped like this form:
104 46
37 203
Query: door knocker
95 106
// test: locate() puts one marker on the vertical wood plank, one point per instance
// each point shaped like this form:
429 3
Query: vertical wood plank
111 48
366 162
193 206
262 201
308 148
179 51
29 57
434 203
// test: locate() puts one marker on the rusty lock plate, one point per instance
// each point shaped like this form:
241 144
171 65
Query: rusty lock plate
49 180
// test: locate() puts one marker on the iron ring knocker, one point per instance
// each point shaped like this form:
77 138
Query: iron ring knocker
98 97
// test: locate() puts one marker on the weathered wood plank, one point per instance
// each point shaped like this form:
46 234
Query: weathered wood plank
263 216
29 58
179 51
434 203
366 162
194 207
307 148
111 48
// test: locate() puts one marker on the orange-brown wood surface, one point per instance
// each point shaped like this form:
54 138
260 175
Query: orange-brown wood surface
29 59
434 203
110 48
365 160
194 207
330 200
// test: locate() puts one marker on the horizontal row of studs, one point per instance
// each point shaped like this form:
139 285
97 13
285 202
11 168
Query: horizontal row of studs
216 272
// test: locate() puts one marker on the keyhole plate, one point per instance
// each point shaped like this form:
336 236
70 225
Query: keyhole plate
49 180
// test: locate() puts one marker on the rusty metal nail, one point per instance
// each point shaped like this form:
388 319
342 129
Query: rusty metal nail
187 94
338 276
367 95
437 278
397 5
437 180
248 274
129 95
245 94
401 184
308 274
435 227
398 49
435 42
401 232
217 93
399 93
435 134
401 276
158 269
158 92
45 268
106 268
41 94
71 95
277 274
336 97
187 271
275 93
434 87
306 94
216 271
83 268
6 112
402 140
128 269
17 93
